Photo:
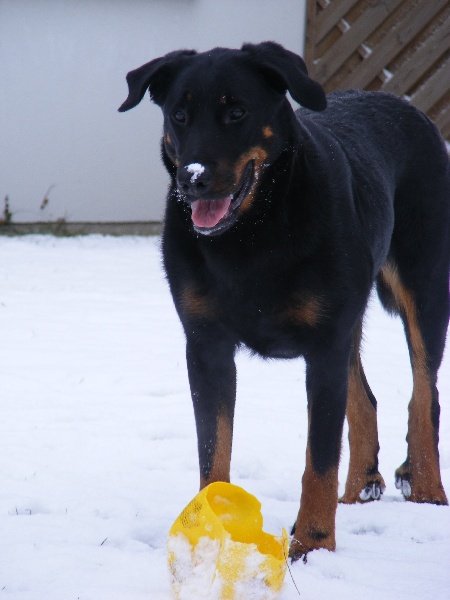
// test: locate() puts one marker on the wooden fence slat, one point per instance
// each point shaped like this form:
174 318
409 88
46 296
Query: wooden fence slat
433 89
310 36
330 16
392 44
397 46
419 62
349 41
443 123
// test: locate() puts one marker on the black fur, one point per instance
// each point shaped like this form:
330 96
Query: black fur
346 184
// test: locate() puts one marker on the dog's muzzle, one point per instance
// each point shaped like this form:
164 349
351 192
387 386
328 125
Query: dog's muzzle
212 217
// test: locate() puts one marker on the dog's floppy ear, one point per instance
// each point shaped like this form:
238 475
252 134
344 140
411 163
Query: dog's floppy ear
286 71
154 76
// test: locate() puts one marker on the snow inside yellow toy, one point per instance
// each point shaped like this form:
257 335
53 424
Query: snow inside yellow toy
217 549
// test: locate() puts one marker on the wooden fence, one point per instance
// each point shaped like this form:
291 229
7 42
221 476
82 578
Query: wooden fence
398 46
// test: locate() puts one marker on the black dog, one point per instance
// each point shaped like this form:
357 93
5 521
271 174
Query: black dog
277 226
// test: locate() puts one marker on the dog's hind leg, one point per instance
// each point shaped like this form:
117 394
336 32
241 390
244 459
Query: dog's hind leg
364 482
422 301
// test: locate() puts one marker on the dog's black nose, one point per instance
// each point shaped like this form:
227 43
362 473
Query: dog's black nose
194 179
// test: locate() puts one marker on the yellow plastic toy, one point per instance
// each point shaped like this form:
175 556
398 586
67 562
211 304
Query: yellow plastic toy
217 549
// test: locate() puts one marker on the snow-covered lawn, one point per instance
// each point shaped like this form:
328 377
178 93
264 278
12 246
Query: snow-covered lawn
98 448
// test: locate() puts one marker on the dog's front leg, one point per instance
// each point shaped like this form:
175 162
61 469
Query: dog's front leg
212 378
326 382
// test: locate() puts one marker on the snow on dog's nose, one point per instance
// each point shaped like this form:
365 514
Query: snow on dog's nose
194 179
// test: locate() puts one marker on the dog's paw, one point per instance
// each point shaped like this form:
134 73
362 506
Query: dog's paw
417 488
403 484
297 551
373 491
313 539
359 491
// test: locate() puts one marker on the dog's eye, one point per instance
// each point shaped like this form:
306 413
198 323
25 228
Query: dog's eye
236 114
179 116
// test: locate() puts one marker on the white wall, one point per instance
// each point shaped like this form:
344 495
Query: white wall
62 77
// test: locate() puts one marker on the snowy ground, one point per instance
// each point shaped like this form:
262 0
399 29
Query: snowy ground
98 450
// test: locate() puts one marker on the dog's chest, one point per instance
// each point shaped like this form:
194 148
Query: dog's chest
267 312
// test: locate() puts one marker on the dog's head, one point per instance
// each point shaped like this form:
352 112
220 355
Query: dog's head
224 121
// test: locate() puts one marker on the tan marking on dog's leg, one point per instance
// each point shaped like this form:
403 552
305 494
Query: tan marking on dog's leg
423 457
363 440
421 468
315 526
220 470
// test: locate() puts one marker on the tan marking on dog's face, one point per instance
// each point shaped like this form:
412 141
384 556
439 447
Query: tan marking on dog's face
168 139
423 454
220 470
258 155
197 304
306 311
189 96
267 132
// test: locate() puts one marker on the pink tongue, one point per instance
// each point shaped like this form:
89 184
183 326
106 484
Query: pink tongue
207 213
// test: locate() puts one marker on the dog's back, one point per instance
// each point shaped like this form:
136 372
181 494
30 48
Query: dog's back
393 154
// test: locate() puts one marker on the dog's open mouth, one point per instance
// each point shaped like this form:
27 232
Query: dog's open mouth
215 216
